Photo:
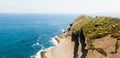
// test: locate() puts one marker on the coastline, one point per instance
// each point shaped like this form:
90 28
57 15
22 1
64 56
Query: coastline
54 40
65 47
77 45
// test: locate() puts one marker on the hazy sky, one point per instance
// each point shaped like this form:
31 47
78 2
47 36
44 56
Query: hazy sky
59 6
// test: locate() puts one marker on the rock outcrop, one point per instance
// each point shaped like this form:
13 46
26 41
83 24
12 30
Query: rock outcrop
88 37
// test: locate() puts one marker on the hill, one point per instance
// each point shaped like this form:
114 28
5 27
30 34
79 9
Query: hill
88 37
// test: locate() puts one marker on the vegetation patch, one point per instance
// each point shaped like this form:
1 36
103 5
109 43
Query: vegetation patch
99 27
100 50
117 45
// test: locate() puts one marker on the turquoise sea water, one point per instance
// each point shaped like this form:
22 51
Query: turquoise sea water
23 35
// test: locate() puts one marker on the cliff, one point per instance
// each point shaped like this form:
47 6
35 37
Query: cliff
88 37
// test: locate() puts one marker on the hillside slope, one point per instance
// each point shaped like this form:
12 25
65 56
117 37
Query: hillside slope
88 37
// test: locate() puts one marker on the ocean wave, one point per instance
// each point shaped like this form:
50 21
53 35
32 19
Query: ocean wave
63 30
38 53
37 43
54 41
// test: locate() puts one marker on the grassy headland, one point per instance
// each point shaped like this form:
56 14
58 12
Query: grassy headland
99 27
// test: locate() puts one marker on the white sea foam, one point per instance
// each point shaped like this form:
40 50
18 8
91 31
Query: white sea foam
39 38
36 44
56 36
54 41
38 53
63 30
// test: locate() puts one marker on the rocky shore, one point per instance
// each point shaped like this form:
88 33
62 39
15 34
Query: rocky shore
78 45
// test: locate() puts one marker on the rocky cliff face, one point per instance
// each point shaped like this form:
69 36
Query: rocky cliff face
88 37
104 48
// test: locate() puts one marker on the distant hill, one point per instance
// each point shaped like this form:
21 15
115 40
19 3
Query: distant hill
112 14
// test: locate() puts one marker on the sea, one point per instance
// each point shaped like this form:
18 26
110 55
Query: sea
25 35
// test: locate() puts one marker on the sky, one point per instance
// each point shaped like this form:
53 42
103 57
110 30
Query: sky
59 6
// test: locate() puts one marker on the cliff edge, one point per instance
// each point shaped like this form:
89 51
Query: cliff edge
88 37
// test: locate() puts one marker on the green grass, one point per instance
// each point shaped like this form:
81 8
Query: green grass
117 45
100 50
78 27
95 28
83 17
